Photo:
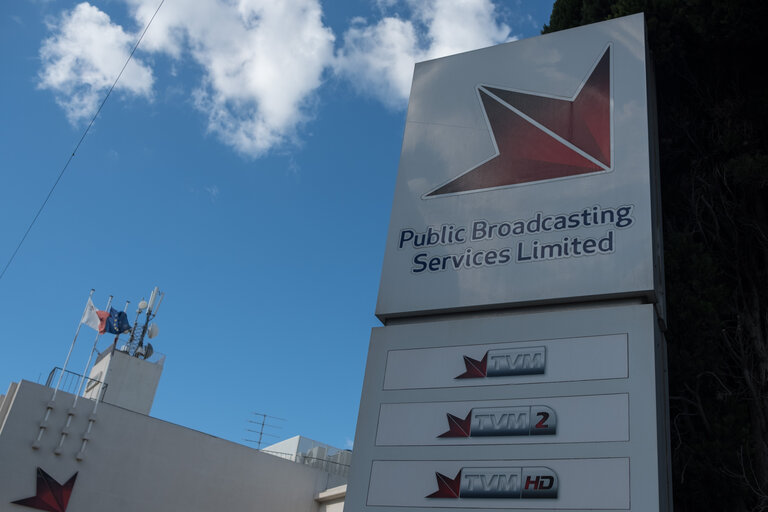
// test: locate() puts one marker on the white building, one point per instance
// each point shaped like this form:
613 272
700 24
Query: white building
60 453
312 453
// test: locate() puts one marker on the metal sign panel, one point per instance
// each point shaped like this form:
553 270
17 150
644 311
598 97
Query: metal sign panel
564 419
570 421
525 176
572 358
505 485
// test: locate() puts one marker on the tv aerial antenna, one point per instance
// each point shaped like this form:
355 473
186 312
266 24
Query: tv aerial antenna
136 346
260 422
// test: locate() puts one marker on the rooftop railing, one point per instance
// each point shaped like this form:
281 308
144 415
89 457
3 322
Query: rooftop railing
71 381
326 464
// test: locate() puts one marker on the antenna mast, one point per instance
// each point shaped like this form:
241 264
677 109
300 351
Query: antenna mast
150 309
261 421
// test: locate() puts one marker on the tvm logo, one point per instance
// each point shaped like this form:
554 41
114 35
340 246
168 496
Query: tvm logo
506 362
498 483
503 421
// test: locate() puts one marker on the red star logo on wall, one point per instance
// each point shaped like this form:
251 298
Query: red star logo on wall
541 138
51 495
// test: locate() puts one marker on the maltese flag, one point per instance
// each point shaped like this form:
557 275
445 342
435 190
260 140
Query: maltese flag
94 318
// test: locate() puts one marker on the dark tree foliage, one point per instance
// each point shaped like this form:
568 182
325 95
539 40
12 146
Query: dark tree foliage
708 57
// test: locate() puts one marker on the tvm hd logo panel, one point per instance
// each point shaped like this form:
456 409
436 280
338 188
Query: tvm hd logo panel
494 483
546 484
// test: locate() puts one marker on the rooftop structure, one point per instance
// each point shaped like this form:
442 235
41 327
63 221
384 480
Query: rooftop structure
89 445
314 454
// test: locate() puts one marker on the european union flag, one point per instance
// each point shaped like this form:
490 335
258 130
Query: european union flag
117 322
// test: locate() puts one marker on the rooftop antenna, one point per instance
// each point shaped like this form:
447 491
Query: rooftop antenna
261 422
155 298
135 346
142 306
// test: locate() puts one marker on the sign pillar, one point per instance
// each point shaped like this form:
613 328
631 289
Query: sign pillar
521 365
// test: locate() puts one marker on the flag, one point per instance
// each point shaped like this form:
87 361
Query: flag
117 322
94 318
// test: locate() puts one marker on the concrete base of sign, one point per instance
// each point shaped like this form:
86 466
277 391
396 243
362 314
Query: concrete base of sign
553 409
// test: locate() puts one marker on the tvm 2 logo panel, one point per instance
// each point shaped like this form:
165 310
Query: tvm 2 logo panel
503 421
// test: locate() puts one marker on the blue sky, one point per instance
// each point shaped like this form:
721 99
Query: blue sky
245 164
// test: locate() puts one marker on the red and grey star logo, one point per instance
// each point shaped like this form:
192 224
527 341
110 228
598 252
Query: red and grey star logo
476 369
51 495
458 426
447 487
538 137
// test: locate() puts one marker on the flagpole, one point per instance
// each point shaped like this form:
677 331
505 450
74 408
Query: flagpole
71 411
72 346
49 406
88 364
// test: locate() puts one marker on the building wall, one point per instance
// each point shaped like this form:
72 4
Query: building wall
131 382
332 500
5 402
135 462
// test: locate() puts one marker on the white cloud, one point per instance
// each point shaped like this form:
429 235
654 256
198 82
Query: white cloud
459 25
262 61
83 58
378 58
